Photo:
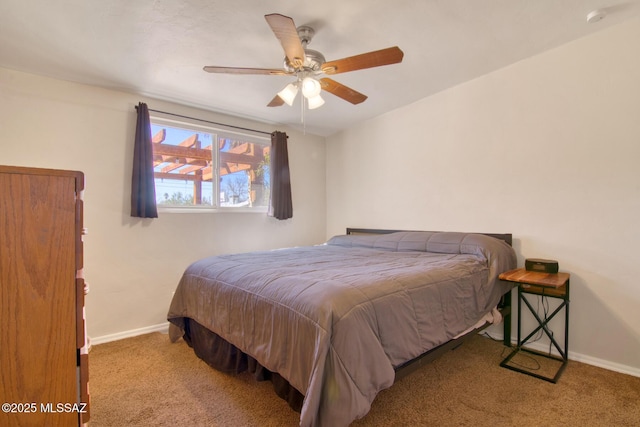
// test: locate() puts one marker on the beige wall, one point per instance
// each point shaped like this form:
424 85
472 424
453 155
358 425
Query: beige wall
546 149
133 265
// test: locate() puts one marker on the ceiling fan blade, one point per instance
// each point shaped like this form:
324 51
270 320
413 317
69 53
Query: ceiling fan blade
276 102
391 55
342 91
238 70
285 30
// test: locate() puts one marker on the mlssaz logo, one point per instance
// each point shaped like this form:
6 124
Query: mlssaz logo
64 407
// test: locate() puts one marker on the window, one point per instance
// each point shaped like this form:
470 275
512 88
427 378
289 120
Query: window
198 167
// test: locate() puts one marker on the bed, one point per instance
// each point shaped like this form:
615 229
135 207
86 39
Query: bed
332 325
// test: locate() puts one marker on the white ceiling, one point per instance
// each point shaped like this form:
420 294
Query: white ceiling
158 48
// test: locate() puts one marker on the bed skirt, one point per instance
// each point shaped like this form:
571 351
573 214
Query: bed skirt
225 357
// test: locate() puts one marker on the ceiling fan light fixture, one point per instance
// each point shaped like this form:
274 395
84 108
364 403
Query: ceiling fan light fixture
288 94
310 87
314 102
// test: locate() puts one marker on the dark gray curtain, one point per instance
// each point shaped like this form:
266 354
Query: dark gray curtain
143 190
280 206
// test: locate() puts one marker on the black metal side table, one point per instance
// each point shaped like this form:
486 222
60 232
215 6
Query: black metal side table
546 285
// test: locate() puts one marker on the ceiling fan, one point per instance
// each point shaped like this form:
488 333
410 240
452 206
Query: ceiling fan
307 65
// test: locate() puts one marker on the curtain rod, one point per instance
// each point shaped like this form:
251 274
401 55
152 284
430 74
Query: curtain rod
208 121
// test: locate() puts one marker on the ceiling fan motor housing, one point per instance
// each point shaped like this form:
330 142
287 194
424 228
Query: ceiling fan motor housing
313 61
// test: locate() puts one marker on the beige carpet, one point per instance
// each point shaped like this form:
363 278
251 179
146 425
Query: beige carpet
147 381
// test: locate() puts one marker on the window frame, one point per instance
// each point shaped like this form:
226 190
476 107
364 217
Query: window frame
216 134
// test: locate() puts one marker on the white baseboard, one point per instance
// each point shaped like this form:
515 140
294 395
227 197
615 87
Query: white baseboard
578 357
612 366
162 327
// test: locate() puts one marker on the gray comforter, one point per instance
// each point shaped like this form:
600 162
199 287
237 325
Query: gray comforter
335 319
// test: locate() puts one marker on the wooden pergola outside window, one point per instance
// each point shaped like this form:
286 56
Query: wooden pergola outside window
190 161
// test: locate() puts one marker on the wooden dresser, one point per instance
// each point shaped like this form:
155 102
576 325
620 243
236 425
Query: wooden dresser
43 352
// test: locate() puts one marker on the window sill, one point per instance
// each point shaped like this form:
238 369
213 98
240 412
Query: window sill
202 210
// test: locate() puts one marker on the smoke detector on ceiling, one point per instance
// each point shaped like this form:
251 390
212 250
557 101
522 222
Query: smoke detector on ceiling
596 16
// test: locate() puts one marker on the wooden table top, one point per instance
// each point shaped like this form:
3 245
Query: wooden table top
520 275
